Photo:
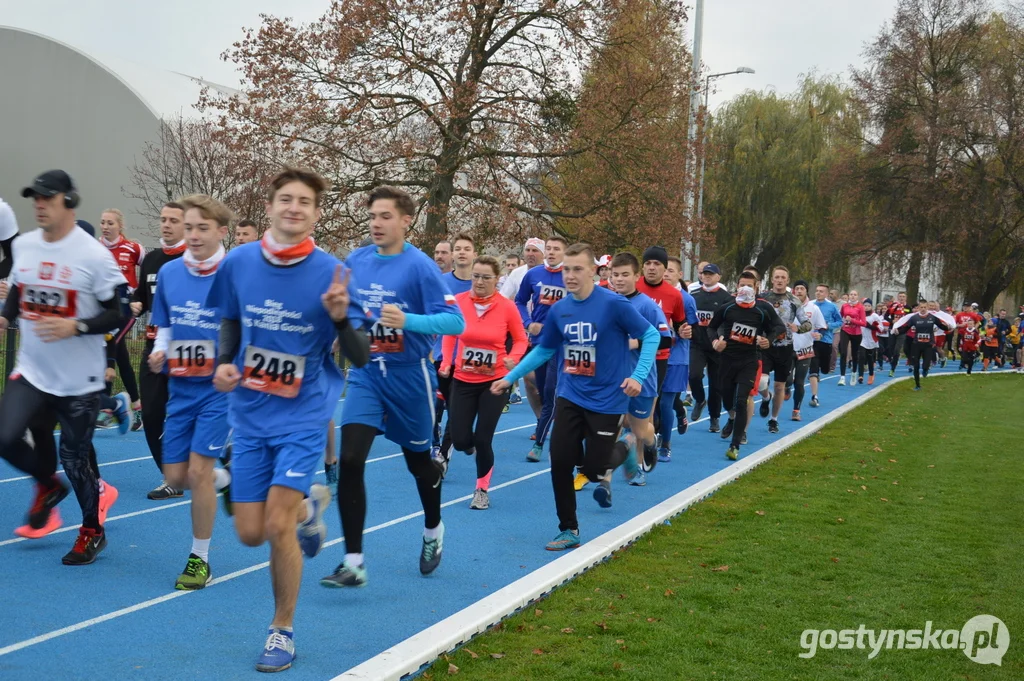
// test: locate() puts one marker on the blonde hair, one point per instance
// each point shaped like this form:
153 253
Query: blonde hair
210 208
118 213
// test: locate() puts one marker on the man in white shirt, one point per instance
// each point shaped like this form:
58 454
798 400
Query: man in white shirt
533 255
63 287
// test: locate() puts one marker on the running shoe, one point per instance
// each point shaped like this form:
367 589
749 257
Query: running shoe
533 456
743 440
47 498
630 466
860 380
164 491
640 480
842 380
331 472
603 494
504 410
441 464
682 424
107 498
733 453
105 420
871 379
53 522
123 413
714 427
727 431
796 415
943 364
278 652
580 481
313 531
688 402
533 436
766 407
430 553
650 459
87 546
665 455
814 401
566 539
435 452
788 394
136 421
481 501
345 575
195 576
698 410
515 398
892 372
773 426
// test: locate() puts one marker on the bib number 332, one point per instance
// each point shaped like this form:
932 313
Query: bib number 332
273 373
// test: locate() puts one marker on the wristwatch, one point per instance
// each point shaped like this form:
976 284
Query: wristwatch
81 327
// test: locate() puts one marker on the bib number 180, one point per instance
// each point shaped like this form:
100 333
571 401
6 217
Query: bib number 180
274 373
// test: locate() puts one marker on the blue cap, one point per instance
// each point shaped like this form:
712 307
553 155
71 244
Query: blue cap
713 269
89 229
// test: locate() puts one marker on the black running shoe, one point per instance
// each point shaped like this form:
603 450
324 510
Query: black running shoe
698 410
87 546
773 426
47 498
766 407
714 427
727 431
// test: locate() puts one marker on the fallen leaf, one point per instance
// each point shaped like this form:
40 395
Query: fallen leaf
619 641
601 625
834 559
568 630
931 466
497 656
759 512
892 460
471 653
452 669
884 499
720 568
877 448
864 487
538 651
538 612
617 666
840 520
895 482
669 592
656 619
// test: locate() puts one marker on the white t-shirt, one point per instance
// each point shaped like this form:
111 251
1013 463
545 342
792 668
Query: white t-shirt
867 339
802 341
66 278
8 223
511 286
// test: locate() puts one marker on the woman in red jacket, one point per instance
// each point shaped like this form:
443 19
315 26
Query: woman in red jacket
854 319
483 357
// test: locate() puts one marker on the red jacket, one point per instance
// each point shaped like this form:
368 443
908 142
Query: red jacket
128 255
481 356
857 317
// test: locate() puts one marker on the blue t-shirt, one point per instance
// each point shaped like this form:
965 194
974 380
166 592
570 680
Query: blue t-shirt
654 315
591 340
456 286
409 280
289 380
180 305
680 353
543 287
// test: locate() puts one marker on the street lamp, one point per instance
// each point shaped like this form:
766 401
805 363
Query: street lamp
704 138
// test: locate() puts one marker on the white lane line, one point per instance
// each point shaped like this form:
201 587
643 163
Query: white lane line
42 638
108 463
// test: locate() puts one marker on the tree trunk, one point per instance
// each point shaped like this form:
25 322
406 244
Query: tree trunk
913 281
442 189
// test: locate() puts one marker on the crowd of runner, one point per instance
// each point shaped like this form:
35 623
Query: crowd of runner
238 383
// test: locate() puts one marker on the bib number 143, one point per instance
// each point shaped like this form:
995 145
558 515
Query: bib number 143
273 373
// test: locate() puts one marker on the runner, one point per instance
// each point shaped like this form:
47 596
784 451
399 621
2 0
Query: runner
740 329
245 232
780 356
274 359
589 331
407 302
129 256
969 339
678 375
533 255
481 359
154 385
920 329
197 414
541 288
443 256
893 314
709 297
852 313
640 413
804 346
869 342
64 288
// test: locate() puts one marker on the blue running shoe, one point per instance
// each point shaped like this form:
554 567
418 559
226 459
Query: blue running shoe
665 455
515 398
535 453
345 575
630 466
313 532
603 494
640 480
567 539
278 652
123 413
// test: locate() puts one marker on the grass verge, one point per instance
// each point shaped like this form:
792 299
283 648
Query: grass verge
907 510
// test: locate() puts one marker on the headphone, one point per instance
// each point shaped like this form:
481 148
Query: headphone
71 199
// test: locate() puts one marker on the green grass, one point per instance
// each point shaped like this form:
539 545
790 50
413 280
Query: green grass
909 509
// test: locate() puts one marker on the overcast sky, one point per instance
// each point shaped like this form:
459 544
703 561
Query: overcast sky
780 39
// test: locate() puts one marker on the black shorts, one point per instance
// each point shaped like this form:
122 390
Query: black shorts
822 360
778 359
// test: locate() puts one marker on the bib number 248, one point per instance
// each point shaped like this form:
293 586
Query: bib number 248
274 373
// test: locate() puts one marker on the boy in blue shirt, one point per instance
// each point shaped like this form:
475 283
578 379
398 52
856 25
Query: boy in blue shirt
588 331
405 304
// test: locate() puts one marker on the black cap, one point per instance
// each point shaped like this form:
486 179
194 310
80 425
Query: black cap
89 229
50 183
867 301
713 269
801 282
656 253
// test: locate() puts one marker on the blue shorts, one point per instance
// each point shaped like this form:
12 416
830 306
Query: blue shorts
196 422
676 378
397 400
640 407
290 460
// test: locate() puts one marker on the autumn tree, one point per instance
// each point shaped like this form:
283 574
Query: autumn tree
189 157
629 179
768 159
467 104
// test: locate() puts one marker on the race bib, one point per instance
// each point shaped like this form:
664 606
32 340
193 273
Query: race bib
477 361
924 337
805 353
385 339
704 317
151 330
549 295
190 358
38 300
274 373
580 360
743 333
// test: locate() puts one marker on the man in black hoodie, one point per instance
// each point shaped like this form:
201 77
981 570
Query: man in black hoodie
709 296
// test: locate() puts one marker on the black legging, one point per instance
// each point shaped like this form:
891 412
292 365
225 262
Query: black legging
868 357
854 344
356 440
800 370
23 405
700 358
895 348
920 353
154 405
474 402
738 376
